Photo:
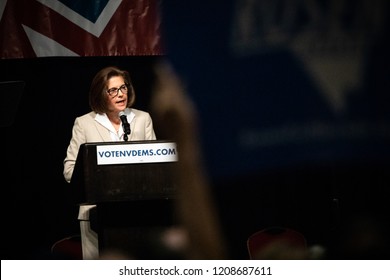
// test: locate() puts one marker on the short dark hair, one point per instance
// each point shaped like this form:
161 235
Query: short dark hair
98 96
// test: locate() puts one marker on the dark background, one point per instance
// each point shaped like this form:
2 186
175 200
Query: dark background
331 189
38 206
278 153
318 198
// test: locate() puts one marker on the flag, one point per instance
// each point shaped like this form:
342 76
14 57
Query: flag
44 28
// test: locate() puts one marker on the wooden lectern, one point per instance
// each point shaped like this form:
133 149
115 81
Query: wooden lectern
126 192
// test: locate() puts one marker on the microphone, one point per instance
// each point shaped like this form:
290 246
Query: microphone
125 124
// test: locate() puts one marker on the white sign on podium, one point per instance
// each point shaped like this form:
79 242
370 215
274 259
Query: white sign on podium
136 153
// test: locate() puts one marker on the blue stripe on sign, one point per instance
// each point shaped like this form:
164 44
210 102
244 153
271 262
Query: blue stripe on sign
90 9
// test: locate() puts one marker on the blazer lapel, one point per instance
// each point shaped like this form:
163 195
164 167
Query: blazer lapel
103 132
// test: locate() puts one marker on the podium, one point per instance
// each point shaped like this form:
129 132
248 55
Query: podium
126 192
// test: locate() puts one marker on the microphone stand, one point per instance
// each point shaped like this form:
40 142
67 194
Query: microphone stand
125 125
126 130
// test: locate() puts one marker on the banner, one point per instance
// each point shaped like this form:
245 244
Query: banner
281 84
44 28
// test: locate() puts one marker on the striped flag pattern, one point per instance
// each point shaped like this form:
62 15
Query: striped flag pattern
44 28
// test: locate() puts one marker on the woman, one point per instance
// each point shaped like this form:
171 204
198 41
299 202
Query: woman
111 93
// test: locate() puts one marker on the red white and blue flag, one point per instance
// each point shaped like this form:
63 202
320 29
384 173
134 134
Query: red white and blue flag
44 28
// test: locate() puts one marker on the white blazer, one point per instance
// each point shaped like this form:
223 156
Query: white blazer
87 129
